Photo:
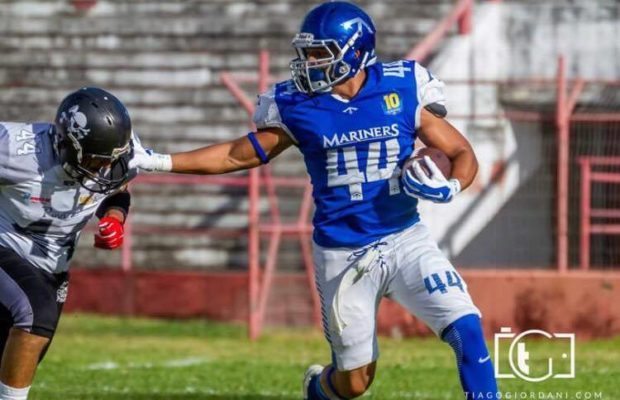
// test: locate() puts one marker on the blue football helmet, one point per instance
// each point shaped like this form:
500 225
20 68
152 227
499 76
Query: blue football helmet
344 35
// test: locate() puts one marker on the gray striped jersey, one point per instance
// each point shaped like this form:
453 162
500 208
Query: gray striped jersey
42 209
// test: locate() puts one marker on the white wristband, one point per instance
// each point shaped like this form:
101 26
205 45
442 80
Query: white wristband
162 162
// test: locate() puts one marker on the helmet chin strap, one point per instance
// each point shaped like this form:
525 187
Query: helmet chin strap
363 64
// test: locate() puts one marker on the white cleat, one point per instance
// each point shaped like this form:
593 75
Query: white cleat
311 372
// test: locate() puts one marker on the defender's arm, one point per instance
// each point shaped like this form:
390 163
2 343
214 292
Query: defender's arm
439 133
112 213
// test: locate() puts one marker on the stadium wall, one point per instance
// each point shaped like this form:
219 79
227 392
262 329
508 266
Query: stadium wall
587 304
583 31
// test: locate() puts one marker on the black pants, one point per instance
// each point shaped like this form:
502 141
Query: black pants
30 299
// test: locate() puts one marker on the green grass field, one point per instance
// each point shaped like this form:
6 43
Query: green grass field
113 358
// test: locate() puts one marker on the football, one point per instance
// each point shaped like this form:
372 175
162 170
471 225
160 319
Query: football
439 158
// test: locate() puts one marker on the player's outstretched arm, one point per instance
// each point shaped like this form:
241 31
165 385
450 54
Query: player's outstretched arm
439 133
231 156
243 153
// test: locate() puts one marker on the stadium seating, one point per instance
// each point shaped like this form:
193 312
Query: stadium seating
164 59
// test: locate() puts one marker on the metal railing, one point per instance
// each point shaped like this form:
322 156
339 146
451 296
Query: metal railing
461 15
590 175
261 280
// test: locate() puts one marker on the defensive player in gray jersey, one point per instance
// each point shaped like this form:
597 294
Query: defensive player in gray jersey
53 178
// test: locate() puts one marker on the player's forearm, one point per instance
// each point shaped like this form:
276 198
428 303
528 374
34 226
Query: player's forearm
464 166
112 213
243 153
216 159
115 205
115 213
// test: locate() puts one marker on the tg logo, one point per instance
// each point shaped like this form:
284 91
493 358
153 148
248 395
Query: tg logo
520 362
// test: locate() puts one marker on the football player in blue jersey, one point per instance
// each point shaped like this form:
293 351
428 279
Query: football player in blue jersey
356 121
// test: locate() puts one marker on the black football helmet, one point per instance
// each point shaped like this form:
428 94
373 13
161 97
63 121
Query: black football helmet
93 139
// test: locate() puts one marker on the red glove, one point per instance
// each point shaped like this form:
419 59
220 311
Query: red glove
110 234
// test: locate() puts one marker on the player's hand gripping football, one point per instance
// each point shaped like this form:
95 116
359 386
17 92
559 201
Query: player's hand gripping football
110 235
431 186
147 159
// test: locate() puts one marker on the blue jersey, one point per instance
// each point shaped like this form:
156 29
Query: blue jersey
354 149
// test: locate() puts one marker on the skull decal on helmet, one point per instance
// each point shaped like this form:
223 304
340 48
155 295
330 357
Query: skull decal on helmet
77 122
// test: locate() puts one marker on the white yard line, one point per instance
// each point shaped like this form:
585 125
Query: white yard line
176 363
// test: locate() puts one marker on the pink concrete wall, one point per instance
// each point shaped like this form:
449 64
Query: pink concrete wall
585 303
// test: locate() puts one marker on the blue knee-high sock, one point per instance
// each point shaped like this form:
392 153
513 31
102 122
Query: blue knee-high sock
472 357
315 391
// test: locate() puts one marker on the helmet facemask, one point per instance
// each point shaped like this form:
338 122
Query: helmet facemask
318 75
99 173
